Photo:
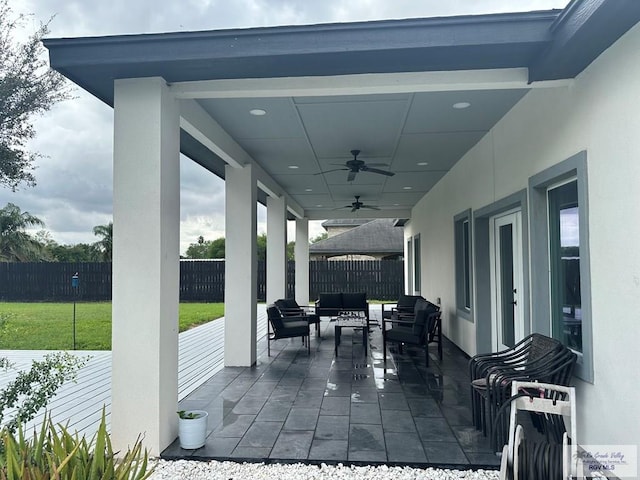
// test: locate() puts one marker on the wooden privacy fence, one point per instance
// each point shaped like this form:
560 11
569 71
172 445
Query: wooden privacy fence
200 281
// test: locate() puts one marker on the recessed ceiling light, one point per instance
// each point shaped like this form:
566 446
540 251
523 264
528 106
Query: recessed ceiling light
423 164
258 112
461 105
319 206
293 167
308 189
407 188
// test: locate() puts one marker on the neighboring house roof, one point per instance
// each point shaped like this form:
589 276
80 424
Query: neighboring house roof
345 222
375 236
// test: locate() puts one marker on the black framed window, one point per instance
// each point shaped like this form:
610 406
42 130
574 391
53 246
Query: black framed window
463 271
416 264
564 263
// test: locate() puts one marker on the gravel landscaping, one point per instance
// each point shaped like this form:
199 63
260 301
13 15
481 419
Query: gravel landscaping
212 470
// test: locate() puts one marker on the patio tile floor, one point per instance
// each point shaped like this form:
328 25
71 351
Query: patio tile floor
294 407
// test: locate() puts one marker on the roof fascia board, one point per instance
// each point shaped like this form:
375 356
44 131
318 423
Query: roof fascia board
268 41
581 33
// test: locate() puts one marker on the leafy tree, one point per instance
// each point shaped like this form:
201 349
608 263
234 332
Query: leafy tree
216 248
262 246
322 236
105 244
198 250
80 252
206 248
27 88
16 245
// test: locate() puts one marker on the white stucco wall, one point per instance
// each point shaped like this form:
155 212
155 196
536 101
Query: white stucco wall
599 113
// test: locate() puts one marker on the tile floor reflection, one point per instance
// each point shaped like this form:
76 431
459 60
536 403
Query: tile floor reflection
349 408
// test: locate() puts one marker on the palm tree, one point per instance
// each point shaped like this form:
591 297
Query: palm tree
105 245
16 245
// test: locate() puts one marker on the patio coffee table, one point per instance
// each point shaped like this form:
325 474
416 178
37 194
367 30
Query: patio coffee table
353 320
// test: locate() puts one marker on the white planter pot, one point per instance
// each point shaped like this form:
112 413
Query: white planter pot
193 431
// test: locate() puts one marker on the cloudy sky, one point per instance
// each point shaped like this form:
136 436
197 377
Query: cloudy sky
74 191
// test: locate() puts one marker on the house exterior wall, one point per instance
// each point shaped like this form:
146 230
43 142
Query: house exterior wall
598 113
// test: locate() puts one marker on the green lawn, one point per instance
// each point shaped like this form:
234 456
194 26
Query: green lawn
49 326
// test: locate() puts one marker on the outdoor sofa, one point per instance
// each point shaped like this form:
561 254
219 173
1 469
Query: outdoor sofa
331 304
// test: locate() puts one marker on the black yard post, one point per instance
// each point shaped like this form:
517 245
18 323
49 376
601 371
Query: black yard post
75 283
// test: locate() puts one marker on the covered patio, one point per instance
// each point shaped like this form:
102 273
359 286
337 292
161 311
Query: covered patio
477 123
349 408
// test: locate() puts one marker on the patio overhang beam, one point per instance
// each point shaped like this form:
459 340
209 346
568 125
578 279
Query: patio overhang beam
362 84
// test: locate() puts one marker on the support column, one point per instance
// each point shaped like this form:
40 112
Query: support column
301 254
241 267
276 249
146 264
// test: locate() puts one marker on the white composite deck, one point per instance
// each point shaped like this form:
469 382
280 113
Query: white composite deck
79 404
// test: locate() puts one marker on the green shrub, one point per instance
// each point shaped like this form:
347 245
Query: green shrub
54 453
31 390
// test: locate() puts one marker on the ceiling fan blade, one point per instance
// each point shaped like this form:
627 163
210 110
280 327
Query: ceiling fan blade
351 176
354 208
329 171
377 165
376 170
370 207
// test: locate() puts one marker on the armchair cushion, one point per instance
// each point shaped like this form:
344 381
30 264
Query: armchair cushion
330 300
287 304
274 316
424 318
402 334
406 303
354 300
294 329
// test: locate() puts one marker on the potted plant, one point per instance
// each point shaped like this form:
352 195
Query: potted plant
192 428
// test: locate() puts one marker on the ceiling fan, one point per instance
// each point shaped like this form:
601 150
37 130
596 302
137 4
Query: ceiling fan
357 205
354 166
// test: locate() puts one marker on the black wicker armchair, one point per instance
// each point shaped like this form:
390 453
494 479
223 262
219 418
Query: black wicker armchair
419 329
289 308
285 327
536 358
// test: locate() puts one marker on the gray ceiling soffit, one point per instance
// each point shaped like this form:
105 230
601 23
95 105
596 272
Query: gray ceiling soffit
585 29
430 44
